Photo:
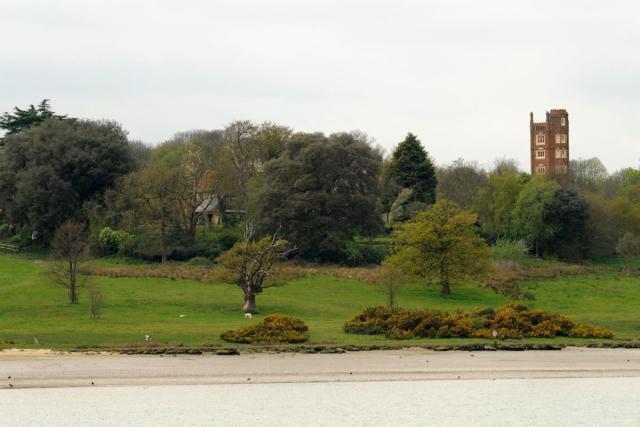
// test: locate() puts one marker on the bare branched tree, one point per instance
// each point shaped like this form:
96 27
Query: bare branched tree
69 246
628 247
249 263
240 142
95 297
203 185
155 190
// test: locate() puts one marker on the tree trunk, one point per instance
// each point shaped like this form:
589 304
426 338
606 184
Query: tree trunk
444 280
249 303
391 298
222 212
193 227
73 283
163 242
73 295
446 289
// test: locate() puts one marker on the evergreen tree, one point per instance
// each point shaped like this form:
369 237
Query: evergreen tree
412 168
22 120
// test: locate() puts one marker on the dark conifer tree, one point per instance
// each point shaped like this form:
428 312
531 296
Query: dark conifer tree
22 120
412 168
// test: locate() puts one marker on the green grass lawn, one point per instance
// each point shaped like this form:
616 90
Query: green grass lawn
133 307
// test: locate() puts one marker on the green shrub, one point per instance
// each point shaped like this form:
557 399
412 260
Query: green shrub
274 329
114 241
357 254
15 240
350 253
509 321
180 247
5 231
226 241
510 250
200 261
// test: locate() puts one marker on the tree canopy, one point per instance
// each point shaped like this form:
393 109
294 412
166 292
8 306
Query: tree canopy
49 171
441 243
587 173
322 192
530 213
249 262
460 182
496 201
567 215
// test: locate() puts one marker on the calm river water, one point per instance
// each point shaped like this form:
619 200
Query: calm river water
513 402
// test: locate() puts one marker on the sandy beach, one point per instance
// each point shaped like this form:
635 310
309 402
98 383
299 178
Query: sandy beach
43 368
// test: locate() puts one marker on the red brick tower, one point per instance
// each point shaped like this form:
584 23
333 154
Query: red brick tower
550 144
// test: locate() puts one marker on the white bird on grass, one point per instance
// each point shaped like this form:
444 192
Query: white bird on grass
248 316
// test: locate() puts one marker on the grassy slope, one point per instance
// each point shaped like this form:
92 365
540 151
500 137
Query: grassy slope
133 307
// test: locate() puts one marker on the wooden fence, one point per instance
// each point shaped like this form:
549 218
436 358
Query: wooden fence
9 248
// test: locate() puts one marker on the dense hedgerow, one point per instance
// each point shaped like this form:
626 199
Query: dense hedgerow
200 262
274 329
510 321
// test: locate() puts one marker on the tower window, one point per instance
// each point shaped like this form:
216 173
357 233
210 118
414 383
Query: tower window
540 138
541 169
563 121
561 154
539 154
561 168
561 138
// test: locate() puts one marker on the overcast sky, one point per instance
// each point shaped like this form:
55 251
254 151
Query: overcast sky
462 75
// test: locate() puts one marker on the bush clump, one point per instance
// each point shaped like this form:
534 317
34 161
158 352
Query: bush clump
509 321
274 329
356 254
507 249
200 262
112 241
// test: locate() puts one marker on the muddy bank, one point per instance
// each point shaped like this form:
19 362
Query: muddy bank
65 370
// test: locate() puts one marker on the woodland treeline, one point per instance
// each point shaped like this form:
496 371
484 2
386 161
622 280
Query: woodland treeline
334 197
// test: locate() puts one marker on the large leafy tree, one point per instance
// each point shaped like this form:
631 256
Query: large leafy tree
587 174
496 201
567 214
23 119
614 211
626 208
412 168
49 171
441 243
531 213
151 196
205 178
601 225
322 192
248 146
